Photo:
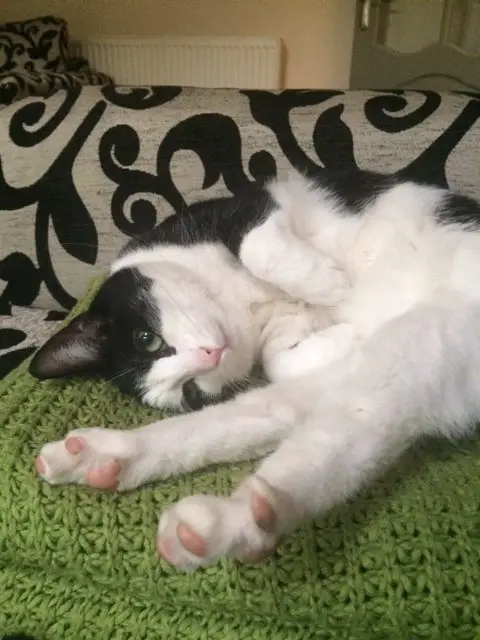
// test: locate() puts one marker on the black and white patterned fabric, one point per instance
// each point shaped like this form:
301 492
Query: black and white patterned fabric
17 85
89 167
35 60
34 45
22 331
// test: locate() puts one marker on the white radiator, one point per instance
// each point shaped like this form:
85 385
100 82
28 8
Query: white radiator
243 63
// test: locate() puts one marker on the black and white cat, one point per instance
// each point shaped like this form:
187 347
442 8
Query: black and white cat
359 294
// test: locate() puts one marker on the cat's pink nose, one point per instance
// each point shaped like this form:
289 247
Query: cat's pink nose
212 355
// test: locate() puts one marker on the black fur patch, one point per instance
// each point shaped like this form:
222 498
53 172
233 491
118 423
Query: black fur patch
224 220
228 220
459 209
124 304
355 189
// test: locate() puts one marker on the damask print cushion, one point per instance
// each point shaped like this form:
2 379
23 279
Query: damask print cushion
89 167
34 61
34 45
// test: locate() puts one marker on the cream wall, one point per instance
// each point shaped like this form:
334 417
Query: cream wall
317 34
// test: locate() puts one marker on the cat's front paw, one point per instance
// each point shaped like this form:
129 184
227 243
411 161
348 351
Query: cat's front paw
335 289
199 530
100 458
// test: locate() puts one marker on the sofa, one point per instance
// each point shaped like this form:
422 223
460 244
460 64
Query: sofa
86 168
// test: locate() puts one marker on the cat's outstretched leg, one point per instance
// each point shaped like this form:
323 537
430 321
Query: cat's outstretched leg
247 427
420 374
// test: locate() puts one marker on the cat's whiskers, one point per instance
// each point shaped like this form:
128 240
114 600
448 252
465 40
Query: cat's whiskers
122 373
243 384
189 234
232 228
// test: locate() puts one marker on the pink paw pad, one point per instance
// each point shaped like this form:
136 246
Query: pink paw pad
105 477
190 540
74 445
263 512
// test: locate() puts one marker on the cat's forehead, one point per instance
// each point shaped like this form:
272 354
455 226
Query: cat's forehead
126 295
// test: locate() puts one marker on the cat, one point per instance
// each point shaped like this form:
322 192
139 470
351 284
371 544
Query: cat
220 307
359 292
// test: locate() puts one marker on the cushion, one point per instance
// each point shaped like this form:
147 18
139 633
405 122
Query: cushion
34 45
399 561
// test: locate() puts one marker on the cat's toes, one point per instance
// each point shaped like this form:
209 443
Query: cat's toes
199 530
95 457
189 533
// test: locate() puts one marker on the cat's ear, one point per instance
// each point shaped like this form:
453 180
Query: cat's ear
74 350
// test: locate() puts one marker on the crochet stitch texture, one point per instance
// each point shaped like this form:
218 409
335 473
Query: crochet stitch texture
400 561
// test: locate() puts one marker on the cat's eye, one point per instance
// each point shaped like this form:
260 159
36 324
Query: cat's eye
147 341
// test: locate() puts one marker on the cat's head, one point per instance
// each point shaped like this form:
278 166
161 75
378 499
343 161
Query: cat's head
174 332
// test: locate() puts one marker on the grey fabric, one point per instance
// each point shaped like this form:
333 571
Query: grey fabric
22 332
36 324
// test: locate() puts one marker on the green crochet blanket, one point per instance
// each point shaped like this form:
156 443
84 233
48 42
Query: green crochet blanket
400 561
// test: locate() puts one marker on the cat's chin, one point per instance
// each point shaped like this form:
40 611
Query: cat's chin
189 398
161 399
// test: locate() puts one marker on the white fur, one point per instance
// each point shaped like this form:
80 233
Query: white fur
218 305
396 356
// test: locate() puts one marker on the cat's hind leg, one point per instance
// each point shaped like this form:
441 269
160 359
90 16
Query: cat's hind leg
201 529
419 375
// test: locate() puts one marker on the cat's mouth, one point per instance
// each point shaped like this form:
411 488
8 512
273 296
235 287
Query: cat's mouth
193 398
